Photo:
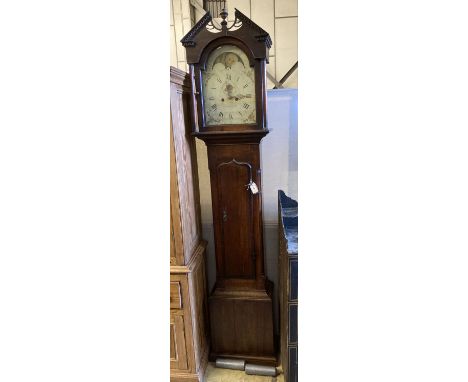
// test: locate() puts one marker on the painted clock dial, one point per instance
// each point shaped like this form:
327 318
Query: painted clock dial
229 88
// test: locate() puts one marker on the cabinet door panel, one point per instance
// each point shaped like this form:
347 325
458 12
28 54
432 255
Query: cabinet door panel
177 238
185 171
236 215
178 349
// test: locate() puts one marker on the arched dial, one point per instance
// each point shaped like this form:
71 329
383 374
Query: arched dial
229 88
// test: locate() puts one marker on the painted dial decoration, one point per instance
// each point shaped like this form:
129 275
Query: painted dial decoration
229 88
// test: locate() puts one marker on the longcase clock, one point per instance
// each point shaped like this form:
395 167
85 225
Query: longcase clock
228 73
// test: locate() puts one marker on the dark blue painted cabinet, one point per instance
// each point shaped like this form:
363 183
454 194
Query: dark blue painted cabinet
288 292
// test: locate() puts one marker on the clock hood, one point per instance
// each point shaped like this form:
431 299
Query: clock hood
244 29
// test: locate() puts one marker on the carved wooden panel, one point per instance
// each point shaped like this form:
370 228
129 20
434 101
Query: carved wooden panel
238 322
185 168
184 176
178 347
198 294
177 249
236 214
236 211
176 297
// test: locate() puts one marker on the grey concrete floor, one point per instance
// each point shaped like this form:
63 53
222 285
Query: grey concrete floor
214 374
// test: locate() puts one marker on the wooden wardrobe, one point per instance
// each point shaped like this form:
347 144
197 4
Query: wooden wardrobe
188 301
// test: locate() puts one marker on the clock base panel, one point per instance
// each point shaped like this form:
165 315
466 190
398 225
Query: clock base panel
242 325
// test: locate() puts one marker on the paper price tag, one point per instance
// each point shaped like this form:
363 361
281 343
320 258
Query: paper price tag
253 188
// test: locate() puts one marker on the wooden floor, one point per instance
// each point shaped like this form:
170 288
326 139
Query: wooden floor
214 374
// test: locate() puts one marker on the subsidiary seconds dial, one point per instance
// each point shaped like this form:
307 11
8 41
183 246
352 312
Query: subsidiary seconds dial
229 88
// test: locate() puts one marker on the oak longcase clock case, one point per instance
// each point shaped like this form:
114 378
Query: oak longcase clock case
228 74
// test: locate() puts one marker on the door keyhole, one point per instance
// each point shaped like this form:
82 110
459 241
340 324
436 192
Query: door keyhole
224 215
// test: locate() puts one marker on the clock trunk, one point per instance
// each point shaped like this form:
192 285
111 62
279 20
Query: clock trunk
241 303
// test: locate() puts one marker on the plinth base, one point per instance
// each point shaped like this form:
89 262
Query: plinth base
242 325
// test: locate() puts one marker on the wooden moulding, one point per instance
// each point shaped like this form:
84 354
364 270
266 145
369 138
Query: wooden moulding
231 137
180 77
200 249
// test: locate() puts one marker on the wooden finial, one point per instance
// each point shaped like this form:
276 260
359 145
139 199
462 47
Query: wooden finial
224 15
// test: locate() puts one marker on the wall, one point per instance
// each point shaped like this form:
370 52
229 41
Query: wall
277 17
182 18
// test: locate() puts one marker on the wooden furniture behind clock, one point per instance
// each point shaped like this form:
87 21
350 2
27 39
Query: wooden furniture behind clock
227 68
189 340
288 287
